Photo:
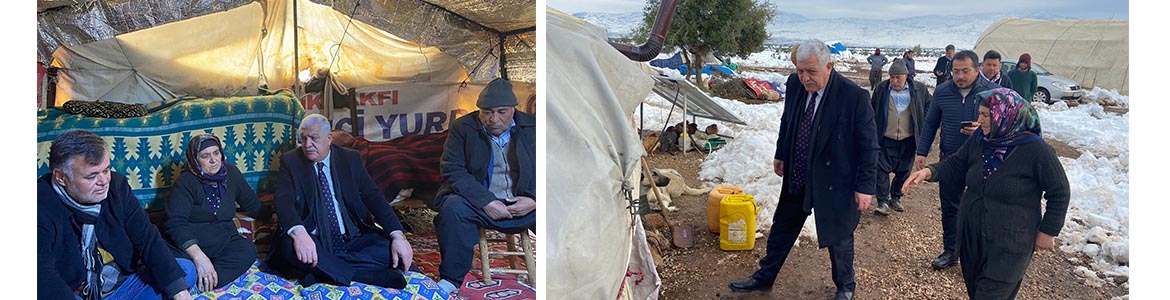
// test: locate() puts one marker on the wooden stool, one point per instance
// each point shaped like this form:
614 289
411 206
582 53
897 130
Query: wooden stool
512 255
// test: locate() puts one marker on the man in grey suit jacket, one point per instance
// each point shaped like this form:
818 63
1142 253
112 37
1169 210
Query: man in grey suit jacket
827 154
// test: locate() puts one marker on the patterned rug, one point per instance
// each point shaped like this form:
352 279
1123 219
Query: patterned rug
505 286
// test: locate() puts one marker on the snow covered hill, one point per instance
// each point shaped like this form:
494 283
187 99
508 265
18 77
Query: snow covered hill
931 31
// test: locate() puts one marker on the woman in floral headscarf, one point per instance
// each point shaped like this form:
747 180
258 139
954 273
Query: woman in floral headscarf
1008 168
202 204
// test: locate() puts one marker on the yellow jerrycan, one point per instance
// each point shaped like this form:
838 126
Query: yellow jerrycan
713 198
737 222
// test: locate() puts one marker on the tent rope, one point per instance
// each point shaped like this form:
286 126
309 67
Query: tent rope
337 48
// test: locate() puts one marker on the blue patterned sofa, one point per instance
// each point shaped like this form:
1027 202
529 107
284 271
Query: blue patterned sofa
149 150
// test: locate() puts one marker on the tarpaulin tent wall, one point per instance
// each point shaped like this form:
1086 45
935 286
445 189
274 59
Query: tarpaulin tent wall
594 240
142 51
1091 52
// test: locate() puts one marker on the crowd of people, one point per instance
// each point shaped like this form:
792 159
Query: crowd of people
1002 191
335 226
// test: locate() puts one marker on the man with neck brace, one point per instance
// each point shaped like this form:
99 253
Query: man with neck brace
489 165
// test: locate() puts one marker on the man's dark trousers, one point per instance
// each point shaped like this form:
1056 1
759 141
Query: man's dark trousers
789 220
949 194
458 224
895 157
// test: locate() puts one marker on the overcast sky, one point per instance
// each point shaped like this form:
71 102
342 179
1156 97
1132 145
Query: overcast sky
1088 9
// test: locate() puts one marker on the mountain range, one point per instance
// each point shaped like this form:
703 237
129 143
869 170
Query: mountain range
930 31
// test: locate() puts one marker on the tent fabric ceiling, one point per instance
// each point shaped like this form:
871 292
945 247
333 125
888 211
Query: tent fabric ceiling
502 17
468 30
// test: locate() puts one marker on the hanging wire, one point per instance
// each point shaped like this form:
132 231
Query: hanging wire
337 48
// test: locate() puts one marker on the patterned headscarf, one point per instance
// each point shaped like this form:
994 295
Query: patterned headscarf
1013 122
213 184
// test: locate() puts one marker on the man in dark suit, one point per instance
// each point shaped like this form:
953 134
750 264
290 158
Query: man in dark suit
327 205
489 165
827 153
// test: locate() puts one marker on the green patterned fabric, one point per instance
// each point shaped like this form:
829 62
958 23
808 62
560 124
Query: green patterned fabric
149 150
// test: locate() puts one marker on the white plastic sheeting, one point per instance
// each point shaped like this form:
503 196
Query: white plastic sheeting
231 53
593 152
1090 52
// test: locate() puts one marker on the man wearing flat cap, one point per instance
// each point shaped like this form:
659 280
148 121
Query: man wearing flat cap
489 169
899 106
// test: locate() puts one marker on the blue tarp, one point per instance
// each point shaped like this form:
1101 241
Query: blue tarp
673 62
710 68
837 48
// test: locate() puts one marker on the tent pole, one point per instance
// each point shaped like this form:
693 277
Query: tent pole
297 88
686 132
503 58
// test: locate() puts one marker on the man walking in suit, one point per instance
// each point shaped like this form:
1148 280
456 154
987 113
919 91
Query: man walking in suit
827 153
327 205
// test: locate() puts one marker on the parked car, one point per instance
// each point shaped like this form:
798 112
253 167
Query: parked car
1049 86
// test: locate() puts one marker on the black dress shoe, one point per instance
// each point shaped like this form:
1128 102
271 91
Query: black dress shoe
897 205
843 296
750 285
944 260
882 209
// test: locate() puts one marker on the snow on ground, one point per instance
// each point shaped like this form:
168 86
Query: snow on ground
1107 97
1086 127
1097 222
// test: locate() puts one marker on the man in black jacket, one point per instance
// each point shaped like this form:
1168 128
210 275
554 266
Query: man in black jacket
942 69
94 241
489 164
827 154
899 106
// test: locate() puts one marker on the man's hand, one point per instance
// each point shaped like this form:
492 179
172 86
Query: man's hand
970 129
1045 242
400 251
208 278
497 210
919 162
184 295
862 200
778 167
916 178
522 206
306 249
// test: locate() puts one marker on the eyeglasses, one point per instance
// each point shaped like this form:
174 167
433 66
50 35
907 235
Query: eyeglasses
962 71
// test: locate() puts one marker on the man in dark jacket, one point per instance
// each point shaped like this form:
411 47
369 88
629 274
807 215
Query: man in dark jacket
989 70
94 241
899 106
908 58
953 103
489 164
336 226
827 154
942 69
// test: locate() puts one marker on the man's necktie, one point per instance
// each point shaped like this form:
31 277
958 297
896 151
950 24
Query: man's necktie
803 137
331 209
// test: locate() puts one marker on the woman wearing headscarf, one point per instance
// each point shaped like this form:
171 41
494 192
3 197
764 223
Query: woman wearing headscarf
1008 168
202 204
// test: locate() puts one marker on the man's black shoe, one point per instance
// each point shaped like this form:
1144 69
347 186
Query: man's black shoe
843 296
882 209
896 204
944 261
749 285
